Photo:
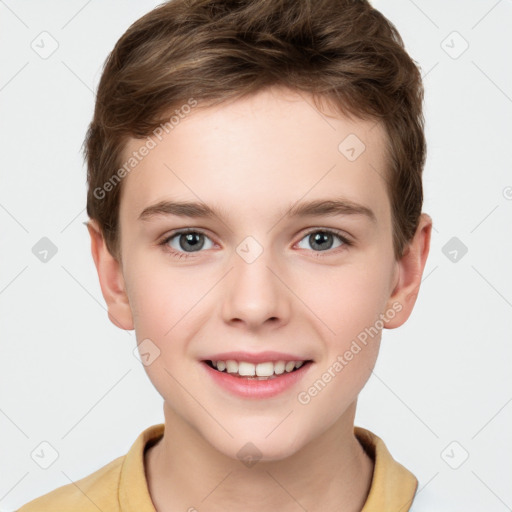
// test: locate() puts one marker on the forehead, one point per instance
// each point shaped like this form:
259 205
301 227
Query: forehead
254 155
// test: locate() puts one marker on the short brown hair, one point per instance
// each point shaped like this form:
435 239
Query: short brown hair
343 51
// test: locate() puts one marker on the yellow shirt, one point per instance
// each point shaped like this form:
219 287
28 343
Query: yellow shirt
121 486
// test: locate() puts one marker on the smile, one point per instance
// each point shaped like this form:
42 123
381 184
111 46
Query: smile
256 380
260 371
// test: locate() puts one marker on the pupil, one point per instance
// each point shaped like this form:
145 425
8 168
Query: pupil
318 238
193 240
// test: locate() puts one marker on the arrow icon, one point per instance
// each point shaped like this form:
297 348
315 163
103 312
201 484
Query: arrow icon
40 455
454 249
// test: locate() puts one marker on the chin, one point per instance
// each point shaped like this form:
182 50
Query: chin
251 445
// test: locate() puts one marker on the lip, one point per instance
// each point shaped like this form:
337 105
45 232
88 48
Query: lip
253 388
255 358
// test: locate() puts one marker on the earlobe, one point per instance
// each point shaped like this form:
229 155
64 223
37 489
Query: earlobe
111 279
410 272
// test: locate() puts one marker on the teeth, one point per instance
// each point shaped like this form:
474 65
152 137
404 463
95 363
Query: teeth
231 366
263 370
246 369
279 367
290 365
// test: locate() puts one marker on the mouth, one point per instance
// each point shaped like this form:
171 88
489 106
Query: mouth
256 376
268 370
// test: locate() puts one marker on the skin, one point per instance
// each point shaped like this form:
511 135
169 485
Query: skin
252 159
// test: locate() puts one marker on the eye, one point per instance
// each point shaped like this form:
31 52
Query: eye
321 240
181 243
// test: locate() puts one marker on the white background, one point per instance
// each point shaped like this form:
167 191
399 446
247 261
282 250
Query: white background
69 377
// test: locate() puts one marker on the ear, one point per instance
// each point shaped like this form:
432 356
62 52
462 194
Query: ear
111 279
410 271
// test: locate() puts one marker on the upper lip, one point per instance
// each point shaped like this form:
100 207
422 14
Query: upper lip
260 357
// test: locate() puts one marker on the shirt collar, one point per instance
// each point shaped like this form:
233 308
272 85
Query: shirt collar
392 489
393 486
133 487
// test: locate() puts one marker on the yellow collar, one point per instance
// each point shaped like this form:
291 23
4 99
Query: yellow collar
392 488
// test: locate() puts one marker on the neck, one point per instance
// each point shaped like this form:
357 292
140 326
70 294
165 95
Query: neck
184 472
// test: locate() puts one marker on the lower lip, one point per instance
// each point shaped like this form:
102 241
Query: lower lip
254 388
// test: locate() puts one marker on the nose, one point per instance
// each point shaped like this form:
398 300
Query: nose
255 293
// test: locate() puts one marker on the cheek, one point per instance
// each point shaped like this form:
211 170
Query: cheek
169 307
347 300
163 300
162 304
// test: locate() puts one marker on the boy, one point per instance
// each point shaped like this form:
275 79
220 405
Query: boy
256 132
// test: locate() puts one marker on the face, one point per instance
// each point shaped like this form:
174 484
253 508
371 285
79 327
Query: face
260 277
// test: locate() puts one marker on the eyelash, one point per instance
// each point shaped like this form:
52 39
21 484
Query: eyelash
180 255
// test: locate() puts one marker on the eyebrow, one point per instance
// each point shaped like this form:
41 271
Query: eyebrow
317 207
